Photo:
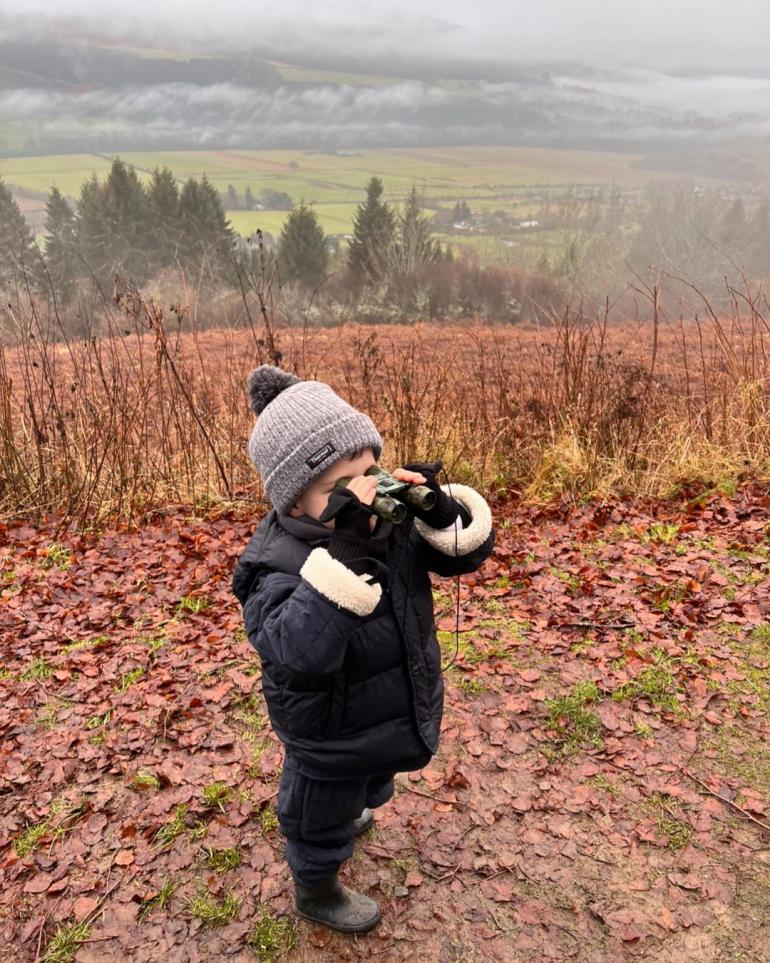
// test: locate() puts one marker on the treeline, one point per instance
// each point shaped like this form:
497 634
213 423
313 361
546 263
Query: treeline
269 200
119 224
391 270
684 234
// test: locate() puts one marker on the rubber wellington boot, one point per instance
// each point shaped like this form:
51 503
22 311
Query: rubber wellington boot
334 905
364 821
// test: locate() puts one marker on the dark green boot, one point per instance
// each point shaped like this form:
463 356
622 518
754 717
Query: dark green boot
334 905
364 821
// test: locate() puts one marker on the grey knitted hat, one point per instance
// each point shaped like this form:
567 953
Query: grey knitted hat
302 429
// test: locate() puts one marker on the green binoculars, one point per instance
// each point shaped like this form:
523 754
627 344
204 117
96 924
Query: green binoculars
393 496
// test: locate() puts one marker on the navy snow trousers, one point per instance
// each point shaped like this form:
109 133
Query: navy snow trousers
316 817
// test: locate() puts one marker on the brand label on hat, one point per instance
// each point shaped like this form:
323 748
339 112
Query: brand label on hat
321 455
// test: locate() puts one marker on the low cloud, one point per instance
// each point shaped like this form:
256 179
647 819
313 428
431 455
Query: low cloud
178 116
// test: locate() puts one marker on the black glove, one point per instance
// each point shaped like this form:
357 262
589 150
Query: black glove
351 533
446 509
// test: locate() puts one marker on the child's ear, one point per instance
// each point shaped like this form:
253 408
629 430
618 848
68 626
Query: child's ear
294 511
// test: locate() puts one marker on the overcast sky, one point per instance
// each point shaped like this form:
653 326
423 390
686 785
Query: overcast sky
664 33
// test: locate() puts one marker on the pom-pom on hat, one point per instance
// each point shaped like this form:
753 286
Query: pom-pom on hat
302 429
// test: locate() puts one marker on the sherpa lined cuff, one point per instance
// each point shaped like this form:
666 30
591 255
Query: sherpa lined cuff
339 584
475 534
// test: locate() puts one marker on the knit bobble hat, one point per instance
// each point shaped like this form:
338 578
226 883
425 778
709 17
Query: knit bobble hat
302 429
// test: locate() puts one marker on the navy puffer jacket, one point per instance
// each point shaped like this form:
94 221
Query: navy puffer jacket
351 668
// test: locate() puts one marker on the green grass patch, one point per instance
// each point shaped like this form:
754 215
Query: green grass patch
57 555
677 831
153 642
47 713
159 901
440 600
222 860
656 682
214 912
582 645
754 652
760 635
98 722
663 594
750 763
29 840
193 603
268 818
248 714
659 533
171 830
178 826
571 581
573 723
473 687
99 725
218 794
145 780
39 669
600 781
643 729
473 649
85 643
272 937
65 943
129 678
257 751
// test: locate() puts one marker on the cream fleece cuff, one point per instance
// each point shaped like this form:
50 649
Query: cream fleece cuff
469 538
339 584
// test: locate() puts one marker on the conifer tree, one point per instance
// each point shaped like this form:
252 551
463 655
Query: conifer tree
60 249
373 229
249 201
126 207
302 252
207 238
93 232
414 247
19 259
164 223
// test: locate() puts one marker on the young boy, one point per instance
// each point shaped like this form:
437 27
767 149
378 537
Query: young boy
338 604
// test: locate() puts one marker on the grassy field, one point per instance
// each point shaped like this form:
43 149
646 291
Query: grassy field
489 178
513 180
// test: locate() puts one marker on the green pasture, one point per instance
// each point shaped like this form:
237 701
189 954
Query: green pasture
514 180
334 219
447 174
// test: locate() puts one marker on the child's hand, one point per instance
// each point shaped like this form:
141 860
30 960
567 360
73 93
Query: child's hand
413 477
364 487
348 506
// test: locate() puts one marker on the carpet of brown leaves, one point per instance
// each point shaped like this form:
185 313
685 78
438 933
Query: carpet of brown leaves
602 791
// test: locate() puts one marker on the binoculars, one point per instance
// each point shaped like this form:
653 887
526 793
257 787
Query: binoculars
393 496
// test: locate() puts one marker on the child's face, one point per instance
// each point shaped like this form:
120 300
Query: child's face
315 497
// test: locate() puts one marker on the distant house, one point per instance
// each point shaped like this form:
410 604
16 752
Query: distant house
528 224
